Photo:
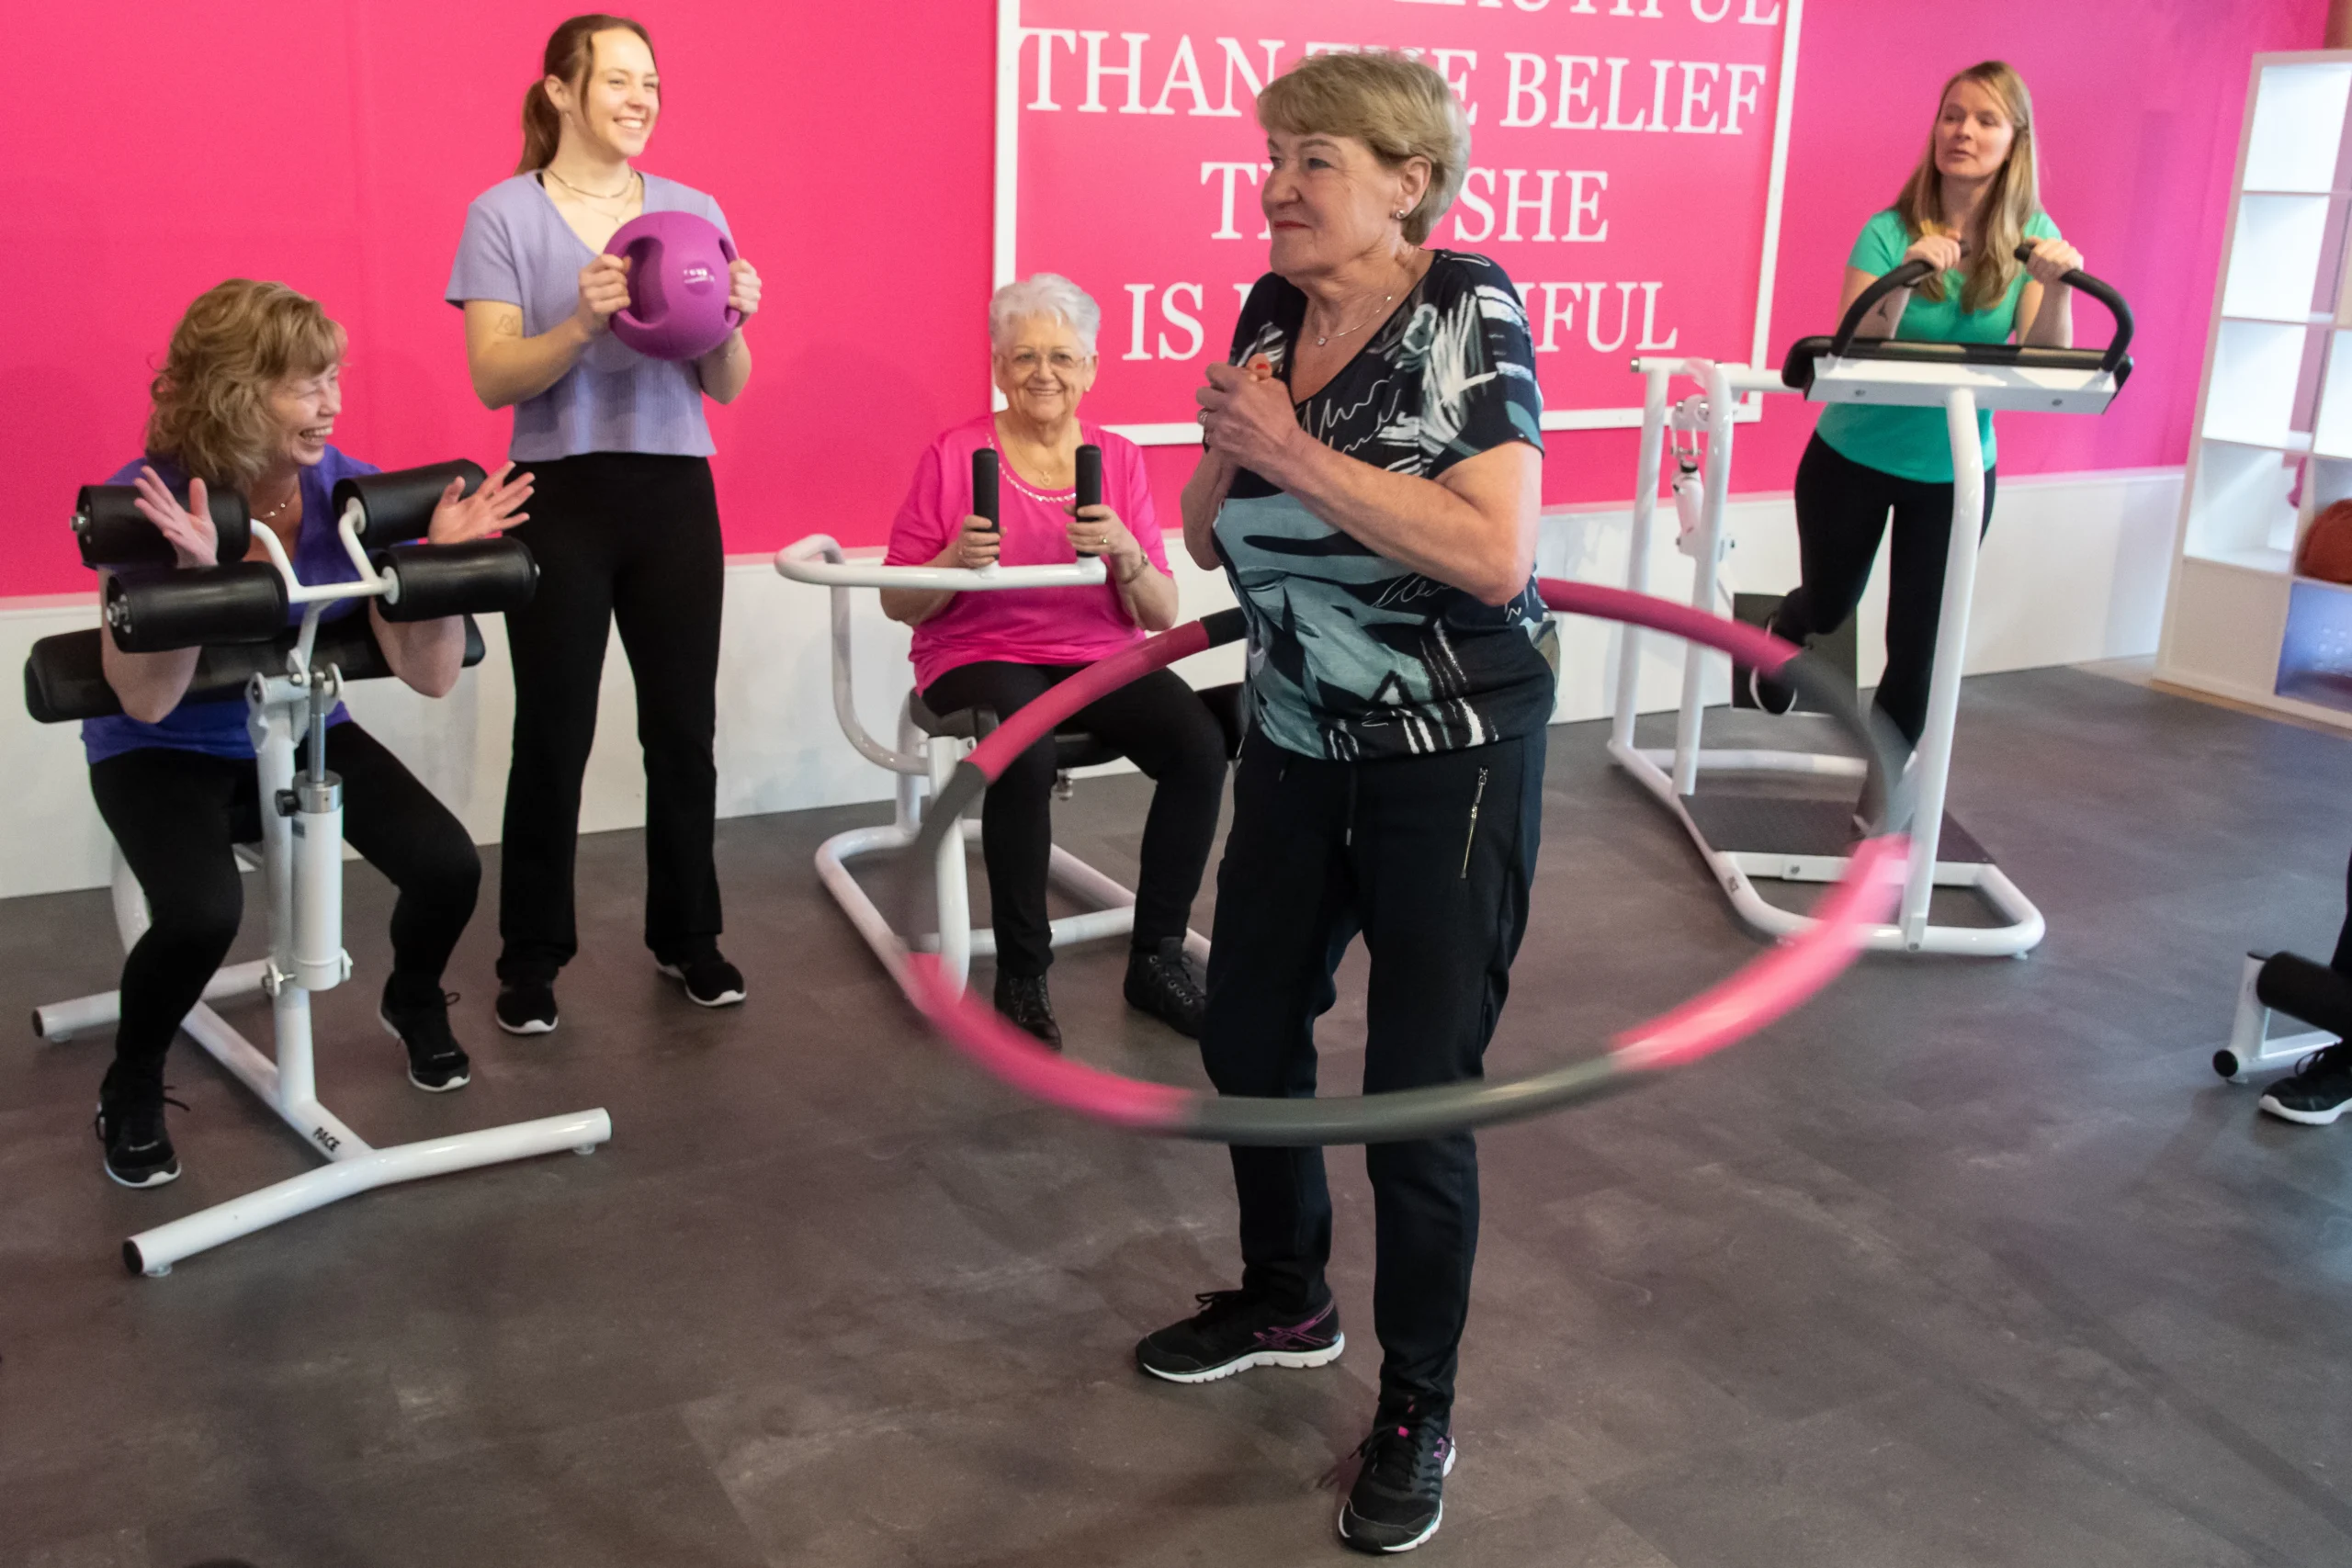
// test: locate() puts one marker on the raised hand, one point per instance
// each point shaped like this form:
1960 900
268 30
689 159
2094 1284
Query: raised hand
458 517
189 527
604 291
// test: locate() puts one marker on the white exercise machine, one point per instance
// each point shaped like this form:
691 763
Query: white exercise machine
291 682
930 745
1767 835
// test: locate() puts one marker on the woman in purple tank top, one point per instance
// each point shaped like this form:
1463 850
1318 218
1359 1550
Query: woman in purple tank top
626 523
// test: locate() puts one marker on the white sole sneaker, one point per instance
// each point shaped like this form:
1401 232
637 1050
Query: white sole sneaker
724 999
1453 1452
460 1081
2304 1118
1297 1361
160 1178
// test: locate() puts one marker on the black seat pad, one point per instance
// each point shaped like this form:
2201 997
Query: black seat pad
1074 746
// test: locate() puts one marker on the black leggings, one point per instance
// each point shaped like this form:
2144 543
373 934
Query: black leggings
1431 859
626 539
177 816
1842 509
1160 727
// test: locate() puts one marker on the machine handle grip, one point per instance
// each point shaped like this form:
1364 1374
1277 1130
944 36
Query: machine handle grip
1903 276
2119 346
984 487
1089 479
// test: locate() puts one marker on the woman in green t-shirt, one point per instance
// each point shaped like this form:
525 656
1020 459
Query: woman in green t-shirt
1973 201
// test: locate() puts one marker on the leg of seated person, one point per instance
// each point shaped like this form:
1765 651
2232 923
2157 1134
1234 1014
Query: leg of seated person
175 815
421 849
1016 817
1165 731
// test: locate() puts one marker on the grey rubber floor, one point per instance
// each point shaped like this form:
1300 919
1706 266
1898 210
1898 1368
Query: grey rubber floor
1969 1263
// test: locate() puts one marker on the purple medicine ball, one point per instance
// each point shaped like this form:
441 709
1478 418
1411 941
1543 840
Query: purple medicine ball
677 286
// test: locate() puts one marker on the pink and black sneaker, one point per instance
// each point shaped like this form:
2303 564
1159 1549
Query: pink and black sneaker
1236 1330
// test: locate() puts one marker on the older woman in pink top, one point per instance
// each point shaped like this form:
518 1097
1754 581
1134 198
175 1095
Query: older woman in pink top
1002 648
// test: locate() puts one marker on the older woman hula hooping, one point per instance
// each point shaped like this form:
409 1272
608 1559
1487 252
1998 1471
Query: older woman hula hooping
247 400
628 528
1370 486
1970 203
1002 649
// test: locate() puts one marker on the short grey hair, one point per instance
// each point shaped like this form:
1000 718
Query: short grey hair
1047 294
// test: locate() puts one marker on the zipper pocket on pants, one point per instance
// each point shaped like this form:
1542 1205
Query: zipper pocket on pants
1471 838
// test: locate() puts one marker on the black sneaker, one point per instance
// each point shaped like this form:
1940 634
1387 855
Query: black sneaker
710 981
1022 999
2320 1089
1236 1330
139 1152
1765 693
436 1063
526 1007
1398 1499
1160 982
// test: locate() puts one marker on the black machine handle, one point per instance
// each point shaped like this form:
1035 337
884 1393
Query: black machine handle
1089 479
2118 346
1903 276
396 507
984 487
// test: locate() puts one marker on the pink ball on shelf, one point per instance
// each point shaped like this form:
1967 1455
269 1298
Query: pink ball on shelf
677 286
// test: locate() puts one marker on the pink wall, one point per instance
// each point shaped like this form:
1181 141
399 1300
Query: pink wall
163 147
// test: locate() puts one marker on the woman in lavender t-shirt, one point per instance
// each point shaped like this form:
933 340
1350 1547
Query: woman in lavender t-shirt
626 523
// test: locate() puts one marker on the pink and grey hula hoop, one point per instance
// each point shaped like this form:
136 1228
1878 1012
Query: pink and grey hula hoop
1767 987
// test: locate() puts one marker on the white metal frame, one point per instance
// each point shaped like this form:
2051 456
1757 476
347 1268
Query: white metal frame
1006 212
301 864
922 764
1961 390
2251 1046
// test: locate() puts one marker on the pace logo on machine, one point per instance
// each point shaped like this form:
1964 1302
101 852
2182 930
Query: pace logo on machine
1624 169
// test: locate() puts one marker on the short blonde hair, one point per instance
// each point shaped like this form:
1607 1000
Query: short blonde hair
211 412
1399 107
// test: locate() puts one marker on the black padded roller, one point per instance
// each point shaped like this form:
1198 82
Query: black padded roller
155 611
65 676
984 492
1089 479
2318 994
112 530
481 577
398 506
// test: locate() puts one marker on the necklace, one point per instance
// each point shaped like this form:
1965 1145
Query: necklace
628 185
271 516
1375 313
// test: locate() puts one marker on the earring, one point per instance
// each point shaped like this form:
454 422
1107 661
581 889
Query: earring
1398 215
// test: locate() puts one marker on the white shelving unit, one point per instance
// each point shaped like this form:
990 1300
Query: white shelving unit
2273 442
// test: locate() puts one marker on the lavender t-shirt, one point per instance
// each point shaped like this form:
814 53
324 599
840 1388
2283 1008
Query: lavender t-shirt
519 249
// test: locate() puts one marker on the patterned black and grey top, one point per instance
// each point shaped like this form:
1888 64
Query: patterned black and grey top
1353 655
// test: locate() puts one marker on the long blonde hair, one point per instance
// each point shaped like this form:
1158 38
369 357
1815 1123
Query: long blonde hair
571 54
211 412
2010 205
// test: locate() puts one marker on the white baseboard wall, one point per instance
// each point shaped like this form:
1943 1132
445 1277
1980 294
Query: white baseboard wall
2074 570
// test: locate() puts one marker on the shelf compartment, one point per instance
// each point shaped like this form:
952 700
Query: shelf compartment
2315 652
2257 368
2297 127
2275 256
2243 505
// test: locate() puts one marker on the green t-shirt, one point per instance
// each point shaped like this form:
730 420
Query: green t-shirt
1912 443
